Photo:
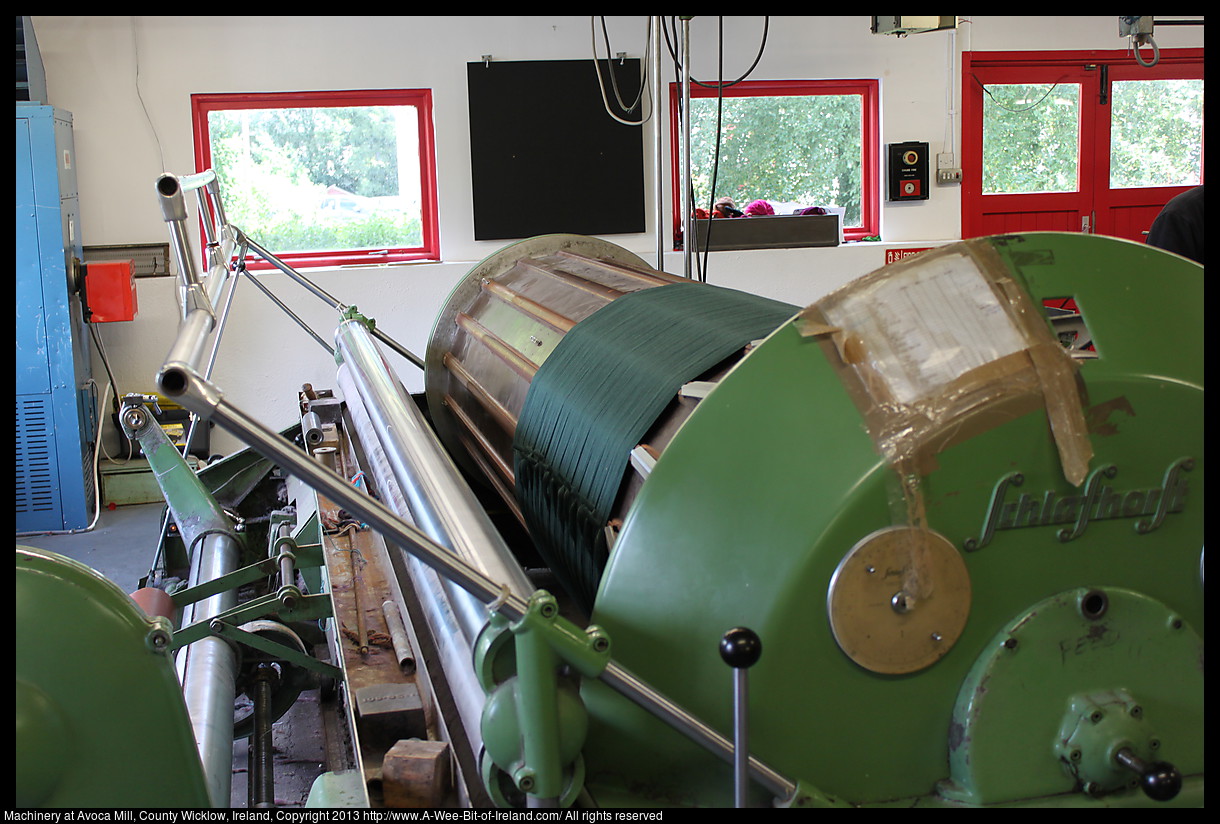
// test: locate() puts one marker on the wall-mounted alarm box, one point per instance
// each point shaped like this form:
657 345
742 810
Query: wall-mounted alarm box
908 171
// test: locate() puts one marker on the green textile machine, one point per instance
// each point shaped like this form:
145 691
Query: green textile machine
934 541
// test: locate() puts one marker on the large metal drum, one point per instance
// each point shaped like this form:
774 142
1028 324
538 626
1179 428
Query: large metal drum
495 336
498 327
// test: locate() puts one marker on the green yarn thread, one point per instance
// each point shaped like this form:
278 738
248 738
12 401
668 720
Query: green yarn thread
596 396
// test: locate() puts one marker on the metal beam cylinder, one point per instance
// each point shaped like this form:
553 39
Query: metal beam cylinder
208 669
500 324
441 504
559 357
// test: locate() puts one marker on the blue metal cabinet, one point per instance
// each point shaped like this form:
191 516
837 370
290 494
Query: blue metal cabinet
56 402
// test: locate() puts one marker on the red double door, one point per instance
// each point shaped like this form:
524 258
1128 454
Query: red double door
1113 140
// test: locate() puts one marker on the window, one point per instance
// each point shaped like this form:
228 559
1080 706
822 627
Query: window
790 143
1029 138
1078 141
1156 133
325 178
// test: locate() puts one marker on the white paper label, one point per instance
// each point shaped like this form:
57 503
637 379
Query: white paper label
928 325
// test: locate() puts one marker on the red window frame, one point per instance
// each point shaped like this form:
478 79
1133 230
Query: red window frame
421 99
870 161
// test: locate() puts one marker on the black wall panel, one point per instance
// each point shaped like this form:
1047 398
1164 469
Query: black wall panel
545 155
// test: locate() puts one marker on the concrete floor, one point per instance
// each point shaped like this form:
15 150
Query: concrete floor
121 547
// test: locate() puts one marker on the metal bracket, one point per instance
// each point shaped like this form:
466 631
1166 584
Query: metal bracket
308 608
534 725
274 648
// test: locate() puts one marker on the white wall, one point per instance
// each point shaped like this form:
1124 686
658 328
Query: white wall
128 81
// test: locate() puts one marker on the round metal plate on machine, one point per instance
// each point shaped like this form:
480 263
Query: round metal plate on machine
899 600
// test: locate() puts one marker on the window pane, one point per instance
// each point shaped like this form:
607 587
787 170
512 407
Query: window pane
790 150
1156 133
320 179
1030 137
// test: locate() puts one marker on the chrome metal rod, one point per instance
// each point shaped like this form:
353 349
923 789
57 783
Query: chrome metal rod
461 610
218 206
192 337
284 308
741 737
198 316
326 297
399 348
221 322
209 228
311 287
173 211
441 503
208 669
638 691
438 599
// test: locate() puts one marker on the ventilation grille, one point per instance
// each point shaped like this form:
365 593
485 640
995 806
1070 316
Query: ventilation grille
151 259
36 487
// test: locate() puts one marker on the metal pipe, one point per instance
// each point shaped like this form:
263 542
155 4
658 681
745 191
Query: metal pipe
657 144
198 316
398 637
512 357
437 598
218 207
506 419
207 668
221 322
325 296
741 736
292 315
311 287
311 428
650 278
441 502
173 212
630 686
187 350
606 293
209 228
687 223
531 308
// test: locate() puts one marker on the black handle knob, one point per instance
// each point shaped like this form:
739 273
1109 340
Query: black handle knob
740 648
1160 780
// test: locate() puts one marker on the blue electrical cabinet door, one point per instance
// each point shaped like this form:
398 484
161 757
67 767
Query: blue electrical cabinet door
56 400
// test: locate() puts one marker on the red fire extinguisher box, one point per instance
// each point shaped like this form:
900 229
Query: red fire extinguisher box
110 288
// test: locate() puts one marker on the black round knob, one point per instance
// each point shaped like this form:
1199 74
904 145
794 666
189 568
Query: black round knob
740 648
1161 781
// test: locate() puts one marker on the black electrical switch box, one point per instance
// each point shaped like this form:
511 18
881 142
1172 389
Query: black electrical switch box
908 171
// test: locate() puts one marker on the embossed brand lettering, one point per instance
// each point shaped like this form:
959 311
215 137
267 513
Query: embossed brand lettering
1098 501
